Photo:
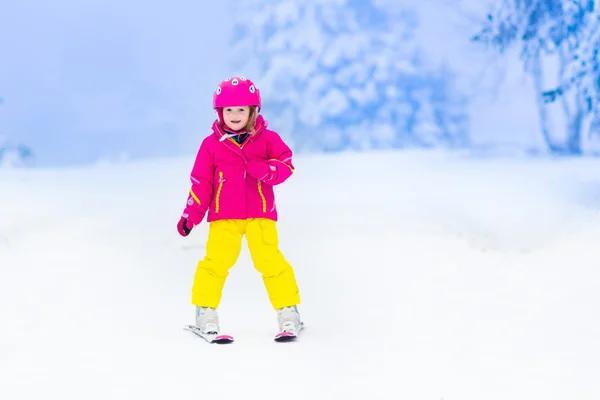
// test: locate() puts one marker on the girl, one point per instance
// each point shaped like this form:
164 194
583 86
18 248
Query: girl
233 178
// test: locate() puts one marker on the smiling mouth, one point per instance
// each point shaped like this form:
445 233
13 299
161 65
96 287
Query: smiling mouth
236 121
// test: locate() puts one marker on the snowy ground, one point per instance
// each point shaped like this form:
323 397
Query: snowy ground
423 275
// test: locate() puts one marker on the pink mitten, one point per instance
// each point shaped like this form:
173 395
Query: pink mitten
261 170
184 227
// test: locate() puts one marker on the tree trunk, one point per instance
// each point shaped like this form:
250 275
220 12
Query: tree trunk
574 116
576 125
545 125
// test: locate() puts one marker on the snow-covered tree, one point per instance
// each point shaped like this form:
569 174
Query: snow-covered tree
545 30
346 74
582 76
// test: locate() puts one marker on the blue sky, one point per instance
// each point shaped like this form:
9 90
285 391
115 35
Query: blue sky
80 78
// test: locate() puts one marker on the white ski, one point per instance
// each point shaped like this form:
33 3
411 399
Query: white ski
210 337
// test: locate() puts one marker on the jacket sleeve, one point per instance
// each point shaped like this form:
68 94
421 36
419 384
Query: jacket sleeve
201 191
279 159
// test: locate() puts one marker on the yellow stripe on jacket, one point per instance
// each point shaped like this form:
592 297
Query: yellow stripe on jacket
262 196
194 196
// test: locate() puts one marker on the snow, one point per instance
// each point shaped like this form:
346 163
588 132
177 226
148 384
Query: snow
424 275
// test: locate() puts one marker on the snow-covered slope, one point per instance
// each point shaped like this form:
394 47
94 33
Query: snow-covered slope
423 276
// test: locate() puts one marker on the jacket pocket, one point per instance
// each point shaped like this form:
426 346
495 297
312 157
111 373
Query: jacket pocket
218 196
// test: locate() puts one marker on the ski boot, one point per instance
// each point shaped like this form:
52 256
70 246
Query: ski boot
207 320
290 324
207 326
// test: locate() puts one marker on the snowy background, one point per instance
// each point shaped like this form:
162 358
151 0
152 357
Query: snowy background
443 220
111 81
108 80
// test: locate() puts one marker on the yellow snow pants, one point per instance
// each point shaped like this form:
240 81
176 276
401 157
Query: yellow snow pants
222 251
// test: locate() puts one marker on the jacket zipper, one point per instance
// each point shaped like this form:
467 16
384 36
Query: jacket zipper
262 196
221 180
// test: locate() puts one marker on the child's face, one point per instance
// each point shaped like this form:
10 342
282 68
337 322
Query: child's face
236 118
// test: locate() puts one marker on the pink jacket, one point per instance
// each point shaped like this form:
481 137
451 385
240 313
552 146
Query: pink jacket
222 177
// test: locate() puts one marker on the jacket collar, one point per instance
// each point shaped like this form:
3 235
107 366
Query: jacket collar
222 135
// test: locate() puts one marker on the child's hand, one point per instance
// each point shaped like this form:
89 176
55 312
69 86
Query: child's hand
260 170
184 227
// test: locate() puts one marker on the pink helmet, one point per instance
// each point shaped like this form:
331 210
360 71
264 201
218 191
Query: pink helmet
236 91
